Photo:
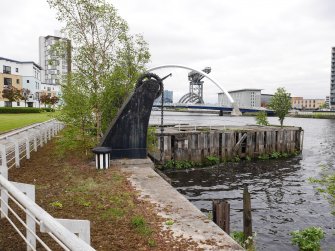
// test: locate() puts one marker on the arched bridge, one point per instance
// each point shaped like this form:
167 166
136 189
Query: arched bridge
213 107
234 110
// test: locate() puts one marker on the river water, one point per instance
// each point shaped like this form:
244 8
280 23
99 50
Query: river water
282 198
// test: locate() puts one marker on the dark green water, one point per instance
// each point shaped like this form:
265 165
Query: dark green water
282 198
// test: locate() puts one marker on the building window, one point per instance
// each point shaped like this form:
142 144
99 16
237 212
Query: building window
6 69
18 103
18 81
49 89
27 81
7 82
8 104
16 69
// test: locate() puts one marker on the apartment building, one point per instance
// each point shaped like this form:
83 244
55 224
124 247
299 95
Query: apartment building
31 80
307 104
332 79
9 76
297 103
54 66
20 74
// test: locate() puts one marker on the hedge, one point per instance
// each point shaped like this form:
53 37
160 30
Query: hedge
24 110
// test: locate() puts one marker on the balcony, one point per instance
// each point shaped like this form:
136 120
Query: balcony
7 86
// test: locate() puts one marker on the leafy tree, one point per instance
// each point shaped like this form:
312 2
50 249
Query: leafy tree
54 100
25 95
281 104
45 99
12 94
324 106
262 119
106 58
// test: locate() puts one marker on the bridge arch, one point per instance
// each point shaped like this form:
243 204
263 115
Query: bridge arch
200 72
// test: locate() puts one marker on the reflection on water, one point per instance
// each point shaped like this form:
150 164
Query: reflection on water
282 198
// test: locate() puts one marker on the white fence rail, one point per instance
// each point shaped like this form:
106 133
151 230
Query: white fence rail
17 200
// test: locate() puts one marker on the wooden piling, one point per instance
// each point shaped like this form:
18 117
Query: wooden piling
247 222
221 214
228 143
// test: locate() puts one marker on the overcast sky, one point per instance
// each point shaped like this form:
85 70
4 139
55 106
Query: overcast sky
262 44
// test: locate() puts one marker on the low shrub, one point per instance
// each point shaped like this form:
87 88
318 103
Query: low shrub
308 239
15 110
19 110
47 109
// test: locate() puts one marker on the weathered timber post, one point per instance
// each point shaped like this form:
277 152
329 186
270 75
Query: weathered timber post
221 214
247 223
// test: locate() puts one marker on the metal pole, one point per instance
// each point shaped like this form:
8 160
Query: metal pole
162 127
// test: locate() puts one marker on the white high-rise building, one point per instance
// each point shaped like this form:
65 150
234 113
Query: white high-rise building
54 66
332 80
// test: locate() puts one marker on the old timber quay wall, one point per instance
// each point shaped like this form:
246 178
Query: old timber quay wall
227 142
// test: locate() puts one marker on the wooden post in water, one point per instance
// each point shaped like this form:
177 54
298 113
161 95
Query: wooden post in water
247 223
221 214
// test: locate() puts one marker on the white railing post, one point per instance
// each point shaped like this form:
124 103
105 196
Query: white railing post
45 131
35 142
35 134
49 132
3 155
28 190
16 150
40 133
53 129
26 137
78 227
4 173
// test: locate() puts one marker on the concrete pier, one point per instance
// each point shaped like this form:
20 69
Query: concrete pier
188 222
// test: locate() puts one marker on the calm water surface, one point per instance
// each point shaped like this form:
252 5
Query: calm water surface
282 198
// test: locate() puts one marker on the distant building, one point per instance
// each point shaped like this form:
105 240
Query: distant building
297 102
266 99
306 104
168 97
312 104
20 74
332 80
327 101
243 98
54 66
31 80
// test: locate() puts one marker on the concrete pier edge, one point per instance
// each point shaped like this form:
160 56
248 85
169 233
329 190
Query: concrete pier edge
188 221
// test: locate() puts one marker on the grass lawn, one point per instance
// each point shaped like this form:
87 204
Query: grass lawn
13 121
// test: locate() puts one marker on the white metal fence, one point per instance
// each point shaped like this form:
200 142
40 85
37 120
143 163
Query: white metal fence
17 200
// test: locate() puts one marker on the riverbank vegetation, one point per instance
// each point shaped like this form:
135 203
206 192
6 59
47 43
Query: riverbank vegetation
326 186
214 160
308 239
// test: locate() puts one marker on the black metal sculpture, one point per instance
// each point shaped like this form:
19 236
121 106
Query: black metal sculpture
127 134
